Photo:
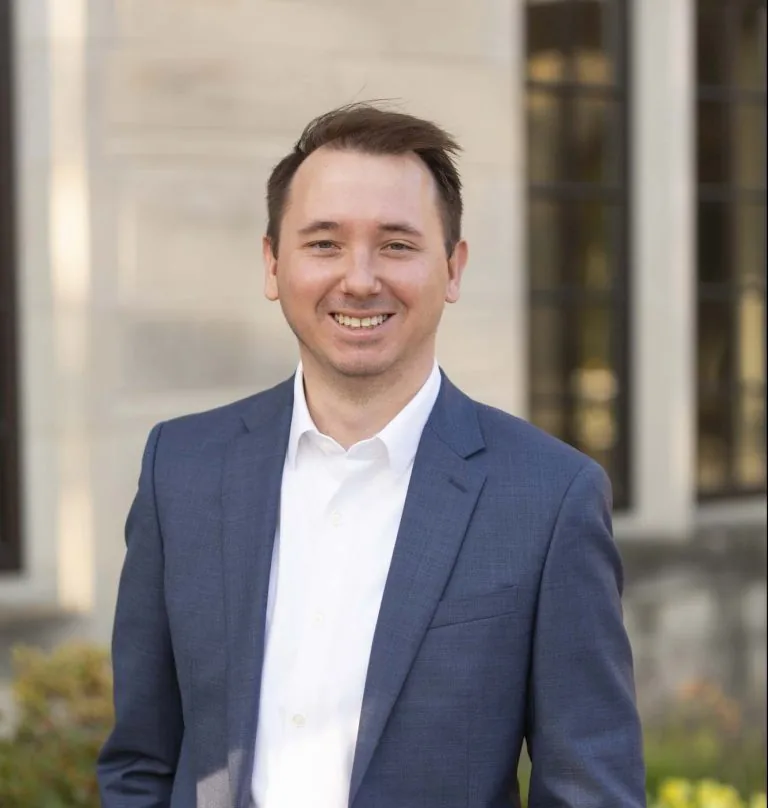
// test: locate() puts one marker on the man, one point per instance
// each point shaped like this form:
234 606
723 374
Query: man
361 587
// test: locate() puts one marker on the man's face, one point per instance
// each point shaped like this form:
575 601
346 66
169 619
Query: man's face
362 274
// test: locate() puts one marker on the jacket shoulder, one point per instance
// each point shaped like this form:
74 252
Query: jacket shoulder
511 436
528 459
222 424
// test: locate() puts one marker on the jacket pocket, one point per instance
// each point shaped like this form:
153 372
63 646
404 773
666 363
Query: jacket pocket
480 607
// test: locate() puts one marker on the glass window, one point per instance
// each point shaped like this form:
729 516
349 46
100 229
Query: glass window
731 243
577 225
10 540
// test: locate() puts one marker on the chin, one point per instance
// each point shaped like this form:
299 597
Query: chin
359 367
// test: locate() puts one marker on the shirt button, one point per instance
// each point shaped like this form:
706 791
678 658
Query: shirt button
298 721
335 518
318 619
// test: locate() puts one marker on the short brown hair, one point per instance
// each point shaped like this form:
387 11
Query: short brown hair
370 129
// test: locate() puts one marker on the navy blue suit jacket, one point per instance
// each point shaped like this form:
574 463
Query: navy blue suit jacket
501 621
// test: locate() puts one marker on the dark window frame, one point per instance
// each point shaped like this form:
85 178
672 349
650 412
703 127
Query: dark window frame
10 489
569 297
730 193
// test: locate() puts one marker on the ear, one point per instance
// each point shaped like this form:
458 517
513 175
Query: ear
456 264
270 269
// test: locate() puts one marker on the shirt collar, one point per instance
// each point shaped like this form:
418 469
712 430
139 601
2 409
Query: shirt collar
400 436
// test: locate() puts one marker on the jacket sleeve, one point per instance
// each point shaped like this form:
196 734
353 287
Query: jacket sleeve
137 764
583 730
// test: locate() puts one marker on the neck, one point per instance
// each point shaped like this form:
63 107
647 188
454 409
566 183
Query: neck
351 409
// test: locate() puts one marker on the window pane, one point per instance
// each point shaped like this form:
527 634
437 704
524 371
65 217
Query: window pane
715 362
596 428
10 533
546 30
749 145
750 47
714 435
598 249
595 141
544 240
750 229
575 40
711 53
719 259
593 376
750 440
713 140
547 361
751 325
731 242
549 417
544 137
595 31
573 245
595 385
572 352
576 239
714 258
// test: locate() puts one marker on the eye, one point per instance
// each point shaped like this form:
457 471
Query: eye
399 246
322 246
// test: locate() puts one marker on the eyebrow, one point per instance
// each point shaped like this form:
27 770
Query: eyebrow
318 226
400 227
322 225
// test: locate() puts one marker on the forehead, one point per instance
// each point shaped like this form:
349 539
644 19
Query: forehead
339 184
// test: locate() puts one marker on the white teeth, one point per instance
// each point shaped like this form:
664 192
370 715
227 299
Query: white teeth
365 322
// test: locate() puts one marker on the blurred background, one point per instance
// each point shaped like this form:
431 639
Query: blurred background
615 182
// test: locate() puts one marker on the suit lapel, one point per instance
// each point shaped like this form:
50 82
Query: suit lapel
250 503
442 494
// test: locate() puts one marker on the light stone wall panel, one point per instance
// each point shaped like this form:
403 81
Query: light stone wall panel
451 30
259 93
164 353
270 94
190 238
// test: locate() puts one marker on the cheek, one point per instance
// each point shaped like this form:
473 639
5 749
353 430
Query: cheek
302 290
424 291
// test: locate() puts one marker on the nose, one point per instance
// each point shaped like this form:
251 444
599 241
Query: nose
360 276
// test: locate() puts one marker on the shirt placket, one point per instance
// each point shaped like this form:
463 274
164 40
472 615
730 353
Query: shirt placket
307 681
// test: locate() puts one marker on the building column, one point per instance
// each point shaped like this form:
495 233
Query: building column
663 268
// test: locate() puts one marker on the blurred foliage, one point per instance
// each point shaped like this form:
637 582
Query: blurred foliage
679 793
64 703
704 736
702 755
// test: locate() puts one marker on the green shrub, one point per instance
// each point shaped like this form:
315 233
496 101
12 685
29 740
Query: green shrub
703 757
64 714
704 736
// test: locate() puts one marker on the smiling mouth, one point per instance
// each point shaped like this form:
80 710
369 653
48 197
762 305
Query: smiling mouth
364 323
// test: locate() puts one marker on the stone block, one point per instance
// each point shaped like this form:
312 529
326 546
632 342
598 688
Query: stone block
260 93
418 28
189 239
159 354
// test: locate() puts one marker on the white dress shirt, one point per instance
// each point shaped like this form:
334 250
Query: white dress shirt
339 516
